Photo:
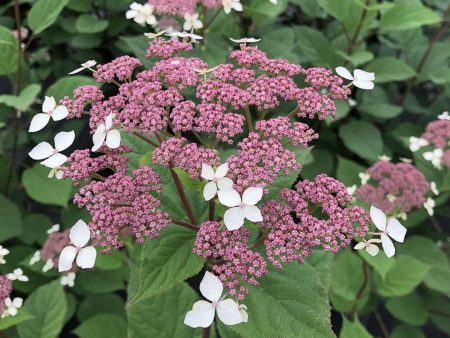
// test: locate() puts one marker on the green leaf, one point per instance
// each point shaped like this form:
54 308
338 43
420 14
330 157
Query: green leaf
404 276
358 57
403 331
21 316
35 228
388 69
381 263
45 190
48 306
363 138
347 171
353 329
381 110
279 43
10 219
66 85
407 16
138 45
162 315
408 309
8 51
323 162
23 101
163 262
89 24
110 261
44 13
102 303
289 303
101 281
102 326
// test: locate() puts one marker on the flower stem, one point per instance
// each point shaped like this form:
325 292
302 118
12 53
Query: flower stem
182 195
248 117
185 224
206 332
354 40
144 138
212 210
360 291
260 240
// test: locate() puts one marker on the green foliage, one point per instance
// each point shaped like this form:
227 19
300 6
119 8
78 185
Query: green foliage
102 326
44 13
8 51
10 219
363 138
23 101
353 329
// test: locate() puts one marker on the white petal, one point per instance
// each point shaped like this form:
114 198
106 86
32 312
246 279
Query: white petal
80 234
38 122
229 197
221 170
86 257
252 213
228 312
17 302
363 84
66 258
210 190
388 246
359 246
60 113
344 72
49 104
225 183
113 139
395 230
201 315
109 120
41 151
252 195
372 249
207 172
378 218
363 75
64 140
98 139
76 70
55 161
233 218
211 287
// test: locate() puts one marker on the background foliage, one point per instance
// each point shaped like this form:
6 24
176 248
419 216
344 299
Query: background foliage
141 291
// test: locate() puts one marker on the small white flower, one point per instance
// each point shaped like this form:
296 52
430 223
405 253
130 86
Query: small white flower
35 258
433 188
384 158
57 173
86 65
371 248
274 1
364 177
79 235
193 37
191 21
243 311
12 306
390 229
240 208
205 71
228 5
141 14
435 157
352 103
429 206
405 160
105 134
360 78
203 312
444 116
54 228
49 110
17 274
54 158
48 265
245 40
154 35
403 216
3 252
415 143
391 197
217 178
68 280
351 190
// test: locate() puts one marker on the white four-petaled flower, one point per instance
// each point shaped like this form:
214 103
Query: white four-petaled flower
49 110
369 245
217 178
389 229
54 158
203 312
68 280
360 78
433 188
245 40
105 134
17 274
191 21
193 37
435 157
444 116
11 307
228 5
53 228
364 177
3 252
415 143
86 65
429 206
141 14
79 235
240 208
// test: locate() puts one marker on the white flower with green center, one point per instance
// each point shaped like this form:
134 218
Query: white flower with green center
141 14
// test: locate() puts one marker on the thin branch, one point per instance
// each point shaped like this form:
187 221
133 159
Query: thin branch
355 36
212 210
361 290
186 225
206 332
248 117
260 240
381 323
182 195
144 138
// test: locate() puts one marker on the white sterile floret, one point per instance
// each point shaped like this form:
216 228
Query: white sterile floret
360 78
105 134
48 265
49 110
435 157
191 21
369 245
154 35
11 307
444 116
18 275
203 312
240 208
217 178
229 5
415 143
68 280
3 252
57 173
141 14
54 228
35 258
429 206
86 65
79 235
183 35
364 177
53 156
433 188
384 158
274 1
245 40
389 229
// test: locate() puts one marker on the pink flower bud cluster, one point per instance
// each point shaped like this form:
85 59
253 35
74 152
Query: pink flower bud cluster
56 241
397 188
121 68
166 49
235 263
83 96
181 7
437 134
122 201
316 214
5 291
